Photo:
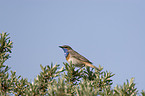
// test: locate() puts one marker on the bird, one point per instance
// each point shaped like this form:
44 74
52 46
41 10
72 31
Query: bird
75 58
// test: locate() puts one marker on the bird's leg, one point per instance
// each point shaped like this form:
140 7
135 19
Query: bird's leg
81 67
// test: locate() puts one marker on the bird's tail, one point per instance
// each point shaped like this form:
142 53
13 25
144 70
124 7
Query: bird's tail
90 65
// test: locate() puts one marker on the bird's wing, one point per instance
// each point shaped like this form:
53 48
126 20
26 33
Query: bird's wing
78 56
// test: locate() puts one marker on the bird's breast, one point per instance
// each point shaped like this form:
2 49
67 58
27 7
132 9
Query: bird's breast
68 57
74 61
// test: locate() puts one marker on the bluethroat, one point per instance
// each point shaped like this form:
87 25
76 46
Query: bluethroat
75 58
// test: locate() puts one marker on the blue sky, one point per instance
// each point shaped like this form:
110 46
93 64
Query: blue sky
107 32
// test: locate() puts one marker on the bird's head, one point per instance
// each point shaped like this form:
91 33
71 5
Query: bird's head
65 47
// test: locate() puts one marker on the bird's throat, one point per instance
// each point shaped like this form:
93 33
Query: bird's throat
65 52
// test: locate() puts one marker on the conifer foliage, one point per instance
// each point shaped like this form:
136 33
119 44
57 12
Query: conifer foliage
56 81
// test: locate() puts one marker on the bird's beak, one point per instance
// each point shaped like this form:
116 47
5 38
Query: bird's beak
60 46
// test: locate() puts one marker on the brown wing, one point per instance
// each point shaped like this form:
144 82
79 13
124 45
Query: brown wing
78 56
